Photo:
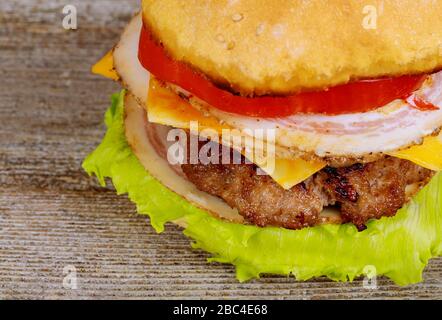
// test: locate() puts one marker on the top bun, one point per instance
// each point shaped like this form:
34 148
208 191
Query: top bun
258 47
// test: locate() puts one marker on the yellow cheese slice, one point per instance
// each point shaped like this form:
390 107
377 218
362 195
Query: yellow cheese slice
167 108
288 172
427 155
105 67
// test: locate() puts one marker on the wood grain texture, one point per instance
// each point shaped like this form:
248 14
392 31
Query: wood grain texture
53 215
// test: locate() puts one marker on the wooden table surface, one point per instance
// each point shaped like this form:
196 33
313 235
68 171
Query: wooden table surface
52 215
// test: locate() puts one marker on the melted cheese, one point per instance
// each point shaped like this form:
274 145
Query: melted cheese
105 67
288 173
167 108
427 155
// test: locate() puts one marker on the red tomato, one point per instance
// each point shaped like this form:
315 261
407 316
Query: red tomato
359 96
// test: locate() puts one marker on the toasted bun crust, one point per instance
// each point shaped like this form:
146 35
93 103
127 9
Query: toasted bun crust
281 47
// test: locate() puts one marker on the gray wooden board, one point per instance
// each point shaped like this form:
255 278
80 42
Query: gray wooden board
52 215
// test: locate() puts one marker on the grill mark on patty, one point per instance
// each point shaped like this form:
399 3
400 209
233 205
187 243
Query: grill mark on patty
344 189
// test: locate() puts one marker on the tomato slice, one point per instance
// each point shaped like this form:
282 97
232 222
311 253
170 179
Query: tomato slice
359 96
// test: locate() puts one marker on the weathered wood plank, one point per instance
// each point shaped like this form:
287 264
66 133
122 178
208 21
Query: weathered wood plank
53 215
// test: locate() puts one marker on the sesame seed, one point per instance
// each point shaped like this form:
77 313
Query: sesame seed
260 29
237 17
220 38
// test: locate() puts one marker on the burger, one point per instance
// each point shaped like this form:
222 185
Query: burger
285 137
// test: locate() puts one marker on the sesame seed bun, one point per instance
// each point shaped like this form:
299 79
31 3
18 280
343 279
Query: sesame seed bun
258 47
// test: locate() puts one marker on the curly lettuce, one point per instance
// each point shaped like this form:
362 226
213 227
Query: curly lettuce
398 247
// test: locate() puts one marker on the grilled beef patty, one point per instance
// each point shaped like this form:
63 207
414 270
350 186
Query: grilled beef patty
360 192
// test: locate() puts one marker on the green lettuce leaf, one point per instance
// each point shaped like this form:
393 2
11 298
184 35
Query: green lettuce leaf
397 247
